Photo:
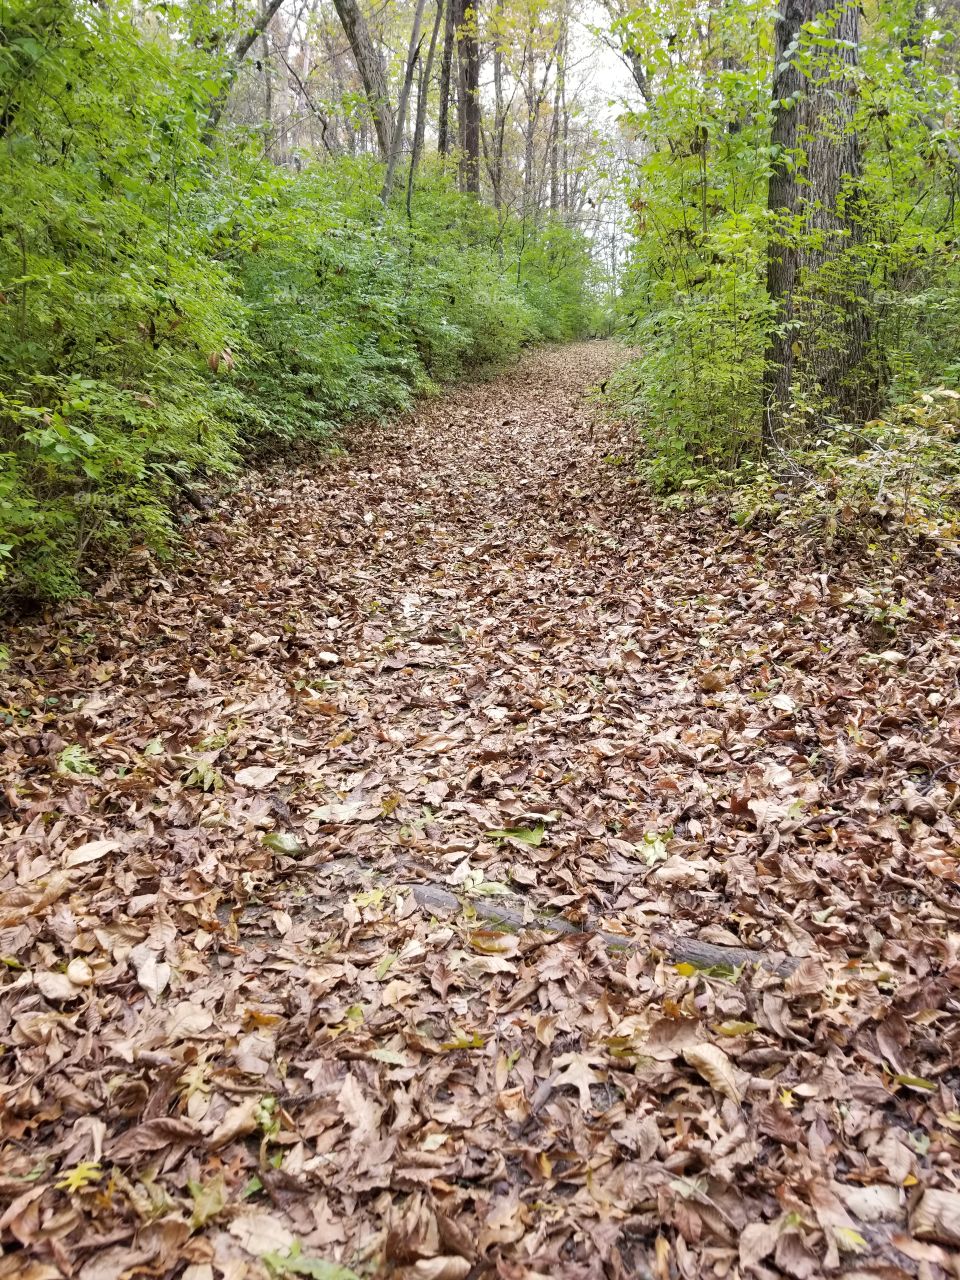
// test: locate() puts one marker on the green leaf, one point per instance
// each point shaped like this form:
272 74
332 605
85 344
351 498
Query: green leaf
473 1040
209 1199
298 1263
915 1082
526 835
734 1028
75 759
283 842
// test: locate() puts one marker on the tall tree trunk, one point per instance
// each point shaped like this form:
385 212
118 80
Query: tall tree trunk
267 95
423 95
821 341
396 143
495 164
555 193
372 71
468 62
446 64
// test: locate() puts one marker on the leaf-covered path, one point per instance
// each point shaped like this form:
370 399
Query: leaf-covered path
235 1037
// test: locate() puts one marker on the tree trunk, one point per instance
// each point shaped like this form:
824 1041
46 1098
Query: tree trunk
267 96
446 64
420 128
371 68
819 348
495 160
468 62
555 123
396 143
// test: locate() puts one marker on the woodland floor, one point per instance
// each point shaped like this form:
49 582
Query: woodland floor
233 1039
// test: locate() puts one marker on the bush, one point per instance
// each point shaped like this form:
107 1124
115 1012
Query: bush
899 475
166 310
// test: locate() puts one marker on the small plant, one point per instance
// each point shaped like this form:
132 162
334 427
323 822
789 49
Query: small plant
76 760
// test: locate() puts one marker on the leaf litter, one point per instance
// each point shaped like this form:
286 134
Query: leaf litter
284 825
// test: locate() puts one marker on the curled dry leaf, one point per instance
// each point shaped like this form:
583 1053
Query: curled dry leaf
444 1268
937 1216
92 851
150 1137
716 1068
239 1120
257 776
259 1232
153 974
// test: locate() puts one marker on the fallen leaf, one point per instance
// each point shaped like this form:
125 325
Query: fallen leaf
256 776
713 1064
92 851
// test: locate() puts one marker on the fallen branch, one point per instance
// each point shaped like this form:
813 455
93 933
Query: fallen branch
702 955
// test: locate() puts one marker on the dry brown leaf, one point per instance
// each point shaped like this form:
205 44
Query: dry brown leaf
153 974
236 1123
257 776
149 1137
716 1068
258 1232
444 1268
92 851
936 1216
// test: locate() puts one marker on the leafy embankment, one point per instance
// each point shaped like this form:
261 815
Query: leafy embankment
168 306
473 657
772 317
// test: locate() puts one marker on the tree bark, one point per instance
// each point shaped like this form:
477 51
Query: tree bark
267 96
468 63
555 125
420 128
372 71
446 65
820 345
396 142
495 159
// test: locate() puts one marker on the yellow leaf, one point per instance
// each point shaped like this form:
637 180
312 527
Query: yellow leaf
849 1240
80 1176
734 1028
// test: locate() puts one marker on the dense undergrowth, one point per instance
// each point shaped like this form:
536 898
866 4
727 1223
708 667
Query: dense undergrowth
170 304
696 303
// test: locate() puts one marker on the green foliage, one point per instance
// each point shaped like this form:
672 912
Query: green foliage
166 309
694 298
694 392
899 474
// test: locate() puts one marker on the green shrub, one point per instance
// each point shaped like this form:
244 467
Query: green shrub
166 309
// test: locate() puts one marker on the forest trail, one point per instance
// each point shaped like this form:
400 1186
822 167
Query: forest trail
472 654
